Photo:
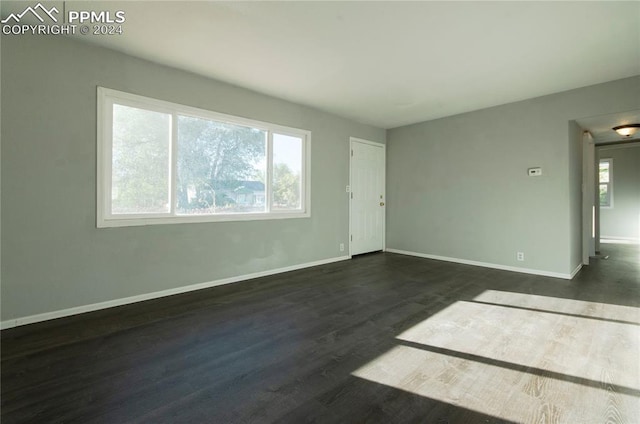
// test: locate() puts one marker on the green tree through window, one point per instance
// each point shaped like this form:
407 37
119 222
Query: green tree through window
216 164
160 162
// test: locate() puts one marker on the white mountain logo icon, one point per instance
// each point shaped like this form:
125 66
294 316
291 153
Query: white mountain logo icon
34 11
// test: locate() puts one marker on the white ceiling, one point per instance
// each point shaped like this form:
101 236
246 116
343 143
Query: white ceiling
601 126
386 63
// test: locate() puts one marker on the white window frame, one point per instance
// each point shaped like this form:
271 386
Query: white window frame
104 218
609 184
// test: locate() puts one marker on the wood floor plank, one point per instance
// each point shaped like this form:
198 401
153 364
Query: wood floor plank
381 338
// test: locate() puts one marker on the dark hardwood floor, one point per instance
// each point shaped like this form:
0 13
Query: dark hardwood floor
381 338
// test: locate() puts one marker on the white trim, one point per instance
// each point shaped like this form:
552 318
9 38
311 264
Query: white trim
306 174
614 238
484 264
384 188
349 197
106 98
575 271
371 143
154 295
609 184
186 219
588 197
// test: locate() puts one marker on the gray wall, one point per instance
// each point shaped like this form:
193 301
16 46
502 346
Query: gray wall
53 255
623 219
458 186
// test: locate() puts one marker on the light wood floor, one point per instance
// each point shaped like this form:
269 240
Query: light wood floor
382 338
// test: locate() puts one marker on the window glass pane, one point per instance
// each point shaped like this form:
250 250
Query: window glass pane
140 161
287 171
221 167
604 172
605 196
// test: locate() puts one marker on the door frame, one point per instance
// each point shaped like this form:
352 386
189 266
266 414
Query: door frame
589 206
384 188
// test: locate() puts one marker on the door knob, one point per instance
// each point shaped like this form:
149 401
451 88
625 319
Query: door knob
381 203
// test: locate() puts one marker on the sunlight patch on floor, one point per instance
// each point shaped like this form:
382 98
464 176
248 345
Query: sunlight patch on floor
493 390
567 306
504 355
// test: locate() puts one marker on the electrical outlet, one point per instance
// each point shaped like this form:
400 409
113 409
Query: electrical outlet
534 172
520 256
342 247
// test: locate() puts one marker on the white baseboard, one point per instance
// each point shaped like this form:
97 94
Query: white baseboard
575 271
614 238
154 295
486 264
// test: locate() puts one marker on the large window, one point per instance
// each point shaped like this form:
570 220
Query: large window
605 182
160 163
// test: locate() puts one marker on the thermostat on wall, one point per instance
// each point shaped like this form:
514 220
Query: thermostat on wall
534 172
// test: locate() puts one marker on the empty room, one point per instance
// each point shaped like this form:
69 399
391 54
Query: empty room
320 211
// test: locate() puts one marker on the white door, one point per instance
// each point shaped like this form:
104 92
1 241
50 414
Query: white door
367 196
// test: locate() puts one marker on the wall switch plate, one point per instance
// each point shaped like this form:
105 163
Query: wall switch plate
520 256
348 189
534 172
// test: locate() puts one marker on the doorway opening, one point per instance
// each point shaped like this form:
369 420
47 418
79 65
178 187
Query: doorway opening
617 197
608 161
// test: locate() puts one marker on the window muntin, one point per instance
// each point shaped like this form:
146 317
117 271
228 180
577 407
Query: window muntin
605 183
160 162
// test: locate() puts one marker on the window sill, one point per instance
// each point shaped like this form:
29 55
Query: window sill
138 221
